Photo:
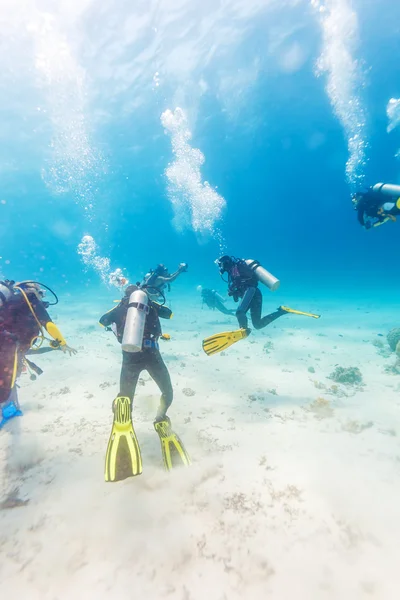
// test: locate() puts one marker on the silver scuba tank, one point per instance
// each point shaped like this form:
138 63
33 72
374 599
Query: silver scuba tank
387 189
138 309
263 275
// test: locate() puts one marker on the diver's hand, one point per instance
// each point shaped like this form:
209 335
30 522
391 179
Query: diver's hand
65 348
183 267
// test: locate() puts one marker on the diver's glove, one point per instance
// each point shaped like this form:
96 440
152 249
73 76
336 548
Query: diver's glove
183 267
9 409
65 348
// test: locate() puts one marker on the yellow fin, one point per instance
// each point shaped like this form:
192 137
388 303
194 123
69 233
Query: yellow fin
299 312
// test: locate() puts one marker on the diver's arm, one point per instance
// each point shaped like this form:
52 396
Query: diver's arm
360 217
43 316
162 311
107 319
182 269
56 334
112 316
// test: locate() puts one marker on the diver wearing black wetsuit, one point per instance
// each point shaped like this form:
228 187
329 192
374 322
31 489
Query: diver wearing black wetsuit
149 359
243 284
214 301
377 205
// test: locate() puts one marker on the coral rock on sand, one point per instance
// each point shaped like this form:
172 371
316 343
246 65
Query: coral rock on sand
346 375
393 338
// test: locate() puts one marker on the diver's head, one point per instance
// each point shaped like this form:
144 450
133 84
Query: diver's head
225 263
32 287
161 270
130 289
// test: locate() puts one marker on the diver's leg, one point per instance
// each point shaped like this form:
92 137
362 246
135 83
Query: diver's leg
8 365
244 306
132 365
157 369
255 310
9 361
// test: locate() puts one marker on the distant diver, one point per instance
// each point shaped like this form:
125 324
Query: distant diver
23 323
157 280
136 324
215 301
243 278
377 205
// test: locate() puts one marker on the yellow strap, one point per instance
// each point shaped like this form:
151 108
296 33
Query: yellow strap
15 367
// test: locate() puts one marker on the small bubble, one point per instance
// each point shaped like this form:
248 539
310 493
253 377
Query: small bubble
3 201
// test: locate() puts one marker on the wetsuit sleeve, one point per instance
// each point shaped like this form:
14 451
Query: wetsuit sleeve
55 333
110 317
43 316
162 311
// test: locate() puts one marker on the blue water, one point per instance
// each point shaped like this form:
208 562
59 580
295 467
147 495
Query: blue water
135 132
84 86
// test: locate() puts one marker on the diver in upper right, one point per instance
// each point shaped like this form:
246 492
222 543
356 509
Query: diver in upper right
243 278
378 205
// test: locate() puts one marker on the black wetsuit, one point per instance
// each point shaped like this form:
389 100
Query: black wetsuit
212 300
18 328
370 206
149 359
243 283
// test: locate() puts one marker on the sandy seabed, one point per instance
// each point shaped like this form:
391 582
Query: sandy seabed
294 488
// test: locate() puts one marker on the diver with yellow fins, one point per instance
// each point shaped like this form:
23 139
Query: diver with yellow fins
23 323
378 205
136 324
244 276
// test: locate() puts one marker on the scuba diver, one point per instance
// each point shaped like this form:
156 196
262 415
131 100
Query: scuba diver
213 300
159 279
243 278
136 325
378 205
23 321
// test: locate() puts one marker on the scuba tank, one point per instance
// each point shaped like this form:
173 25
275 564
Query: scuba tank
5 294
387 189
138 309
263 275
